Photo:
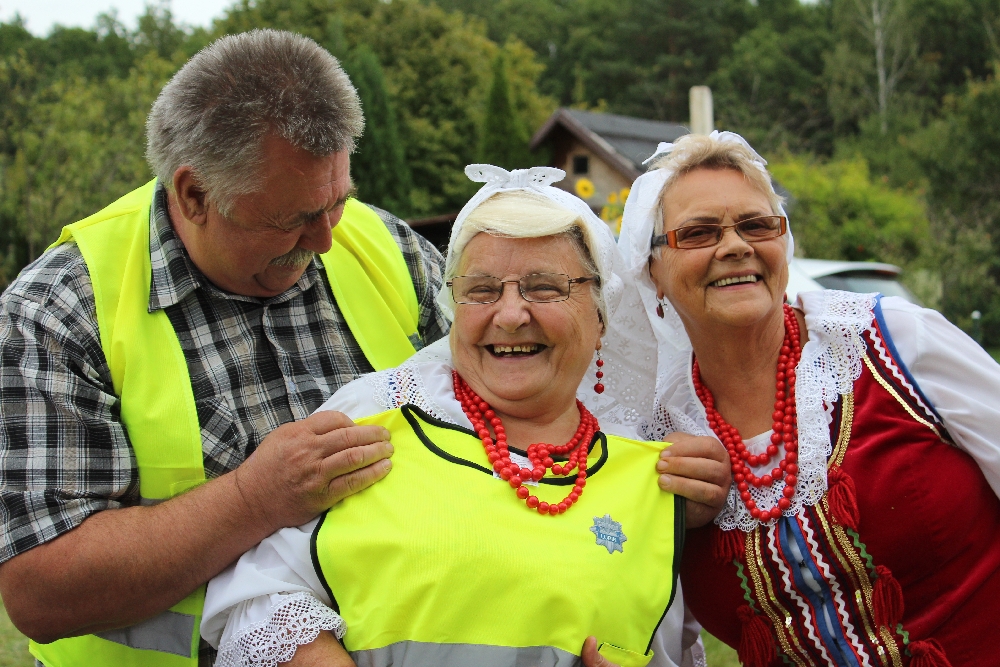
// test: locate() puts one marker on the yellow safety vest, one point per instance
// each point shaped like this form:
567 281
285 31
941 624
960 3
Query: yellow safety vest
372 287
440 563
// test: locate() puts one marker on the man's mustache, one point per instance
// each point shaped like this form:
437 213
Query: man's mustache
294 258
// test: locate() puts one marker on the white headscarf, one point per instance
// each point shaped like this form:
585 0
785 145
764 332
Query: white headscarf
628 347
638 223
677 408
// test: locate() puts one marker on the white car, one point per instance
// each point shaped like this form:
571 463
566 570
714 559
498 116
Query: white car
813 274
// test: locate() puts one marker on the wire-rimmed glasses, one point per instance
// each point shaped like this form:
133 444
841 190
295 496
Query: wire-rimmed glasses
534 287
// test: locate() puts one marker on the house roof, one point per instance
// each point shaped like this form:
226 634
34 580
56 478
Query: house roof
623 141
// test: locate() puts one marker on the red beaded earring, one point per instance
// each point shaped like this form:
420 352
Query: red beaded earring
659 310
599 388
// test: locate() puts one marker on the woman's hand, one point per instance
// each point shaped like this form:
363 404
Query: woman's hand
697 468
325 651
591 658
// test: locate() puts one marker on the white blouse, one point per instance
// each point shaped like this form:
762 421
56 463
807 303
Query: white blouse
261 608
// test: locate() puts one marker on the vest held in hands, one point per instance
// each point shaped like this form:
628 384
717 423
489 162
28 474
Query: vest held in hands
440 563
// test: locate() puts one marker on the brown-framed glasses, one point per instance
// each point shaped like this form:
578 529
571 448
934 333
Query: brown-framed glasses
534 287
700 235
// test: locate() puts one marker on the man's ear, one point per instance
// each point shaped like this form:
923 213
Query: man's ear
191 199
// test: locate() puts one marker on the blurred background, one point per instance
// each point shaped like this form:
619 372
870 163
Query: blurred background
880 118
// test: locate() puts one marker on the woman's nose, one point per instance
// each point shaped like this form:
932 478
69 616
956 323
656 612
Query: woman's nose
511 310
732 245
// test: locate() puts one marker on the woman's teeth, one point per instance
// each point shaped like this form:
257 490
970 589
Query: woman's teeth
722 282
512 349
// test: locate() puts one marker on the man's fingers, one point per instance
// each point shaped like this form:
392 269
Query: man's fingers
354 458
350 437
325 421
349 484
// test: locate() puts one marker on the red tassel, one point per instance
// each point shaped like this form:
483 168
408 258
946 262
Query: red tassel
843 498
727 545
928 653
887 598
756 644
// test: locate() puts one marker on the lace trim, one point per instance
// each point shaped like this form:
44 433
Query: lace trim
395 387
296 620
831 363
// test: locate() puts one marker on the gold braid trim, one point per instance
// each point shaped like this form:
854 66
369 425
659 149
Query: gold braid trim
859 580
892 392
781 619
844 437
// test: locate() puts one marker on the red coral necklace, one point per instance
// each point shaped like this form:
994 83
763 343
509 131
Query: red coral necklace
539 454
785 430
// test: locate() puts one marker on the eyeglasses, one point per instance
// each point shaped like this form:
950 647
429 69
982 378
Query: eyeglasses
703 236
535 287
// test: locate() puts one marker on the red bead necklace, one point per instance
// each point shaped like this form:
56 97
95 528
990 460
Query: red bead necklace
539 454
785 430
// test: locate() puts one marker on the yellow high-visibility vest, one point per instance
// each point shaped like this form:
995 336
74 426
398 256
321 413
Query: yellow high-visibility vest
441 564
374 291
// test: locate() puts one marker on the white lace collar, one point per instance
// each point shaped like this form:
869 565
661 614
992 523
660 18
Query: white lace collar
831 362
425 381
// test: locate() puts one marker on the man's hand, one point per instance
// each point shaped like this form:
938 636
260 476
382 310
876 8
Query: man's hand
697 468
591 658
302 468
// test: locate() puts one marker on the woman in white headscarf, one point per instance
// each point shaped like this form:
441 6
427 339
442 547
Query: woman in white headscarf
863 524
485 545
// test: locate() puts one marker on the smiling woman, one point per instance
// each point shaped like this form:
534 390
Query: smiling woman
504 482
863 524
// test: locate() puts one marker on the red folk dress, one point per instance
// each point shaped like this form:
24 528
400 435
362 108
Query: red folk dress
898 565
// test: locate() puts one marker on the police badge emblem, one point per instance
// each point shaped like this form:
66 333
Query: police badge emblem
609 533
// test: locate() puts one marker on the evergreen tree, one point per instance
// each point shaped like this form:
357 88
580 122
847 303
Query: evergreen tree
503 140
378 166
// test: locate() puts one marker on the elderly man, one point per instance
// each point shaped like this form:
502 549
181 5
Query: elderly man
159 364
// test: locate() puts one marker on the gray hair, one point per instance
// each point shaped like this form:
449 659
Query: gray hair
693 151
524 214
215 113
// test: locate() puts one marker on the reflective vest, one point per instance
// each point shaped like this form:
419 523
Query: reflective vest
374 291
441 564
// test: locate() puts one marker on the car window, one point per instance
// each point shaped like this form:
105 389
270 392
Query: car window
864 283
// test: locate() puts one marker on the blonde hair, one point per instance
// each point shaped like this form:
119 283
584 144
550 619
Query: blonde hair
522 214
695 151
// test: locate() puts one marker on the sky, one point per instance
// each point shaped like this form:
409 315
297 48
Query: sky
41 15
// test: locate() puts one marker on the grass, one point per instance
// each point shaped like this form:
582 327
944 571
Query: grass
13 645
718 654
995 353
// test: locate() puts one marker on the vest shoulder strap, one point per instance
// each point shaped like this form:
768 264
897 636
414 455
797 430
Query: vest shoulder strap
148 368
372 286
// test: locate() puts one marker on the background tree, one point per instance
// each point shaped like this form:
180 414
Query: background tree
378 166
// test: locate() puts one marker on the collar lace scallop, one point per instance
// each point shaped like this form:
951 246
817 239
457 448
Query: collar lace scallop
831 362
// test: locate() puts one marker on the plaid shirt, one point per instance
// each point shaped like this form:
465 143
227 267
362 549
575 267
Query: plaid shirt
255 364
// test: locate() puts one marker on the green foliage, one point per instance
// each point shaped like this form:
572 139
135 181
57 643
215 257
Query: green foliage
772 82
840 212
378 166
78 145
503 139
960 153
